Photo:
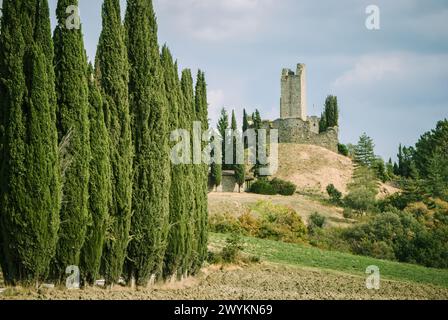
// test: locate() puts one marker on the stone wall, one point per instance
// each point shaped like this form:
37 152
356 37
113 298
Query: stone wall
228 184
303 132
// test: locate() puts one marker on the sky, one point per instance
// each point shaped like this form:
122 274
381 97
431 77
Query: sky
391 83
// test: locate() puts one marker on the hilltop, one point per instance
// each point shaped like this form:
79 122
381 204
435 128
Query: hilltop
313 168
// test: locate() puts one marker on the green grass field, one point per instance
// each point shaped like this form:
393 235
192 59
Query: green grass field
306 256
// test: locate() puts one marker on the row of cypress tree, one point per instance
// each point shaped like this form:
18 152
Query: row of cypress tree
85 170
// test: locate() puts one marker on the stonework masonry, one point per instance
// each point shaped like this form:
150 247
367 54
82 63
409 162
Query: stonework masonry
293 101
303 132
294 125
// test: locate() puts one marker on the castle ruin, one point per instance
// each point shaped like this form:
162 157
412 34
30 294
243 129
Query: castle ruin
293 101
294 125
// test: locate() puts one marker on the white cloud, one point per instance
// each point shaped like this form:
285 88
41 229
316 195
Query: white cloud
217 20
370 69
391 69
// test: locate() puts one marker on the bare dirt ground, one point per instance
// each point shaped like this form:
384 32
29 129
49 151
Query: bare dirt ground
238 203
264 281
313 168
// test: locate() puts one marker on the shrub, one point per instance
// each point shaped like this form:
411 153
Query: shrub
249 224
329 239
282 224
263 187
232 251
362 191
284 188
317 220
335 194
343 150
276 186
224 223
348 213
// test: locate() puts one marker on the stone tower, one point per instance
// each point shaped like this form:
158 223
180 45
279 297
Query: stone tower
293 102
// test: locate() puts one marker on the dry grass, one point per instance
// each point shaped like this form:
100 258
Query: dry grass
313 168
237 204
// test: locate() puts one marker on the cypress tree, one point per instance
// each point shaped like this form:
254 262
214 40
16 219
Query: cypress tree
245 127
179 198
112 71
323 123
216 174
151 186
257 126
201 226
223 125
30 188
73 129
234 127
186 117
239 168
99 184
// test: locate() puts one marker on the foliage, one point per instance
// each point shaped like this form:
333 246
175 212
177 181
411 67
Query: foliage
150 133
232 250
406 165
216 174
282 187
223 126
430 145
240 175
30 196
112 72
70 63
335 194
315 222
265 220
400 235
364 152
330 116
99 185
273 187
186 118
362 191
263 186
201 175
343 150
178 194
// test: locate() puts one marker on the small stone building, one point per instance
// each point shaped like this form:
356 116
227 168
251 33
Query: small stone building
229 184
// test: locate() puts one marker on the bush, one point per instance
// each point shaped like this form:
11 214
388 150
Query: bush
329 239
281 224
348 213
262 187
317 220
362 200
284 188
249 224
276 186
335 194
224 223
231 252
362 191
343 150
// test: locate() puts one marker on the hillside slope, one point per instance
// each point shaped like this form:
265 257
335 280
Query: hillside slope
313 168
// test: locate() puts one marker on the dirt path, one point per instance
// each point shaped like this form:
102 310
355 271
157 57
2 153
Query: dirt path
265 281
